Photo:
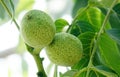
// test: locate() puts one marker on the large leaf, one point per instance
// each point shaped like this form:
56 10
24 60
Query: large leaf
93 15
104 72
116 8
72 73
102 3
81 27
109 53
106 3
69 73
96 59
60 24
81 64
114 18
91 74
102 67
87 40
78 4
115 34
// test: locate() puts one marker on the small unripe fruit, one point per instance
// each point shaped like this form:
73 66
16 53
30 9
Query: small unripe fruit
65 49
37 28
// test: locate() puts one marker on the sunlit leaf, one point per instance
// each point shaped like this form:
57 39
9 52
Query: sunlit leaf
109 53
92 15
96 3
106 3
60 24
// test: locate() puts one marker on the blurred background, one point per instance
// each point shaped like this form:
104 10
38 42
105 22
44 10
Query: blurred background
15 61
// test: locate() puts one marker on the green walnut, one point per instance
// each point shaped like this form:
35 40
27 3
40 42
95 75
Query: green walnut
65 49
37 28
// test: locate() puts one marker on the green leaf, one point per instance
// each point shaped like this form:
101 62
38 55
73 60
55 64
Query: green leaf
104 73
60 24
81 27
81 64
87 40
106 3
115 34
109 53
78 4
83 74
114 18
69 73
91 74
94 74
116 8
114 21
96 3
102 67
85 26
94 16
96 59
